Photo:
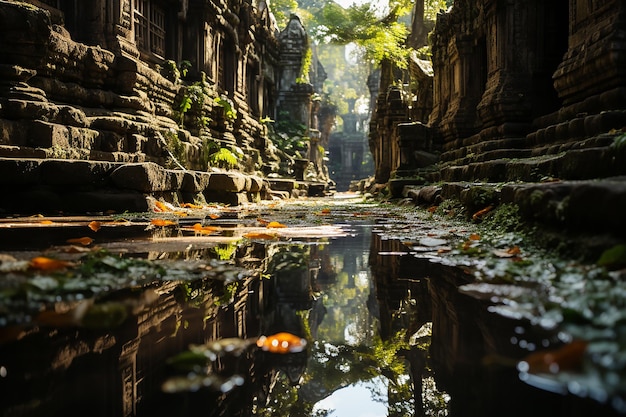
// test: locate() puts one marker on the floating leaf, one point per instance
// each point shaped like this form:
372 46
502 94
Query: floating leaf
262 236
282 343
48 264
507 253
160 207
162 222
275 225
85 241
94 225
191 206
75 249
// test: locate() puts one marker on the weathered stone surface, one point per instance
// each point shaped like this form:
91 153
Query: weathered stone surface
18 172
256 184
281 184
146 177
226 197
195 181
227 181
74 173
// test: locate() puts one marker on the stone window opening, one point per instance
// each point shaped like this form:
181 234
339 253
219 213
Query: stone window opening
227 67
149 20
252 89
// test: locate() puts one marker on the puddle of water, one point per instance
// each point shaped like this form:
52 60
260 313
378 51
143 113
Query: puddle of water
354 327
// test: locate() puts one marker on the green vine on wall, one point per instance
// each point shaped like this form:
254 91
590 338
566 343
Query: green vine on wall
307 59
193 100
230 113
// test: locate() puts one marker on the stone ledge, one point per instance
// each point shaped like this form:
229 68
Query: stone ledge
56 185
594 206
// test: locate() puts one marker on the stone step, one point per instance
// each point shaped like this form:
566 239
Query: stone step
58 185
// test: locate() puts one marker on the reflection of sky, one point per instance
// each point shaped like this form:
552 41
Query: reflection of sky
350 258
355 401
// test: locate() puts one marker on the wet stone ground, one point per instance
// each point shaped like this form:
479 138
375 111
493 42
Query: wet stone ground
269 309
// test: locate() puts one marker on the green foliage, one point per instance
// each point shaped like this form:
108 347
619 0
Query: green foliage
224 158
176 148
193 100
282 9
303 78
229 108
175 72
225 252
289 137
620 141
614 257
432 7
381 38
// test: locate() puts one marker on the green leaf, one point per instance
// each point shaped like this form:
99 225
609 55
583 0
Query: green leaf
614 257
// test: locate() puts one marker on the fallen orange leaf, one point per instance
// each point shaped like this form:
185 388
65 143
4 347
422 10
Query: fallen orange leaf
474 236
282 343
46 222
262 221
94 225
48 264
204 230
160 206
162 222
264 236
214 216
275 225
326 211
85 241
566 358
432 209
191 206
481 213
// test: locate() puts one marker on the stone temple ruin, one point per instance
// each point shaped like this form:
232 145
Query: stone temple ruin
103 102
527 96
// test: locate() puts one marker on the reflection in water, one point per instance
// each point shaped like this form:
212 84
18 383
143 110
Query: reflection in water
349 315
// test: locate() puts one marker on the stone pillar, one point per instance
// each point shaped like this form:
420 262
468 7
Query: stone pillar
506 103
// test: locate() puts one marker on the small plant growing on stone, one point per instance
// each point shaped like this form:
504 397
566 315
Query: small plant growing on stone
176 150
224 158
175 72
229 108
193 100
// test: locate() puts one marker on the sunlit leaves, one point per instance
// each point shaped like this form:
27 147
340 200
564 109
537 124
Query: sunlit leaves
43 263
275 225
94 225
85 240
380 37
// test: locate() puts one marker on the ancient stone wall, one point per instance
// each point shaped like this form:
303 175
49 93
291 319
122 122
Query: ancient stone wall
167 82
522 90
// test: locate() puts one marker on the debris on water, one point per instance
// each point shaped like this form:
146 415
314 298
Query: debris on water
282 343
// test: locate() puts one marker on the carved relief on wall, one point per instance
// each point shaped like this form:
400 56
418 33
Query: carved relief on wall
126 14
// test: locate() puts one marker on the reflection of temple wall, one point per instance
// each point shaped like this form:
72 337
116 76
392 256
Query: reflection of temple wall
119 372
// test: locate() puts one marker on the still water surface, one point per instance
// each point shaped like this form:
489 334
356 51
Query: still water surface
361 329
